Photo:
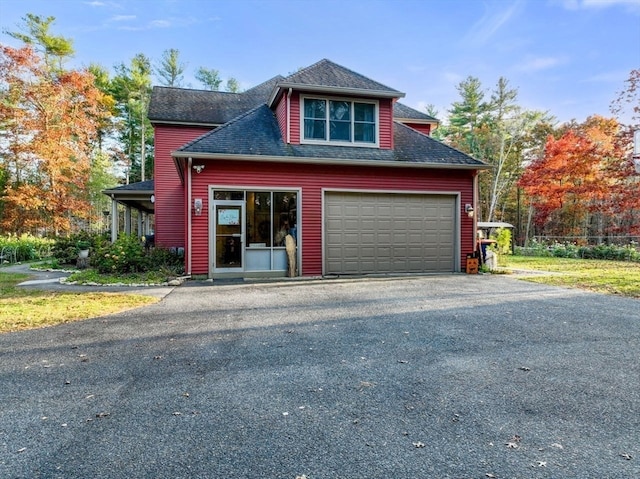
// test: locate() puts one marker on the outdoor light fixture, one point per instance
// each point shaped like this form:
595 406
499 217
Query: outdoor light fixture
197 206
469 210
198 168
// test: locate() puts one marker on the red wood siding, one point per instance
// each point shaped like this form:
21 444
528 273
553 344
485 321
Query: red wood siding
169 191
422 128
200 225
295 118
281 115
386 124
312 179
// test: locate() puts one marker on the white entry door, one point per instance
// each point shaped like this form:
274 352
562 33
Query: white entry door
229 234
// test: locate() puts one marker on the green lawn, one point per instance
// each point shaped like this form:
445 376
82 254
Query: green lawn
612 277
25 308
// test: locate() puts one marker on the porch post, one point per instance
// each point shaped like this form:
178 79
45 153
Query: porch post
127 220
114 220
140 232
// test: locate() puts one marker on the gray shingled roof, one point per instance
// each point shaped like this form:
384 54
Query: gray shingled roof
205 107
326 73
181 105
257 133
139 186
401 110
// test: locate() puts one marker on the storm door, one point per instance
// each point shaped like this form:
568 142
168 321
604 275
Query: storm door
229 232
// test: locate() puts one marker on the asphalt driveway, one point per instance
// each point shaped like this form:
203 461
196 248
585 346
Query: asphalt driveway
454 376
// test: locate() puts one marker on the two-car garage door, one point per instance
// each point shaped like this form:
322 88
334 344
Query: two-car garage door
389 233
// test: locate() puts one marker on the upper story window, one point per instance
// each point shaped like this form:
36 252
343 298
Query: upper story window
340 121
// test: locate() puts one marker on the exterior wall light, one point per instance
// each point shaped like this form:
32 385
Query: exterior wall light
469 210
198 168
197 206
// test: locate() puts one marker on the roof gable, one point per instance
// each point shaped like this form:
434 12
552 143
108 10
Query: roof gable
328 77
329 74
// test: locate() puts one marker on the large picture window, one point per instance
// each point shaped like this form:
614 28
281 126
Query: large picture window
258 240
342 121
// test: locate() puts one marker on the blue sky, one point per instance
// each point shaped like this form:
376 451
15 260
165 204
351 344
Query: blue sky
567 57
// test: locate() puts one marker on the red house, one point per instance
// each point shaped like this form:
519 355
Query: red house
326 155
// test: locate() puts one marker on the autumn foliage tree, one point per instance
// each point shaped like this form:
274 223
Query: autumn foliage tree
50 119
584 186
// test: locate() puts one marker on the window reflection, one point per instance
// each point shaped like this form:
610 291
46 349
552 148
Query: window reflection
284 216
259 218
228 195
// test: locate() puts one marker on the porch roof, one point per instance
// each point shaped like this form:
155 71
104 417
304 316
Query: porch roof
138 195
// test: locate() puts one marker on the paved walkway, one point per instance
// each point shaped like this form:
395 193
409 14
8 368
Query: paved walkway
50 280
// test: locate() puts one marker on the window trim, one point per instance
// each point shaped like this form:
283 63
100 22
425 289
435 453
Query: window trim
327 141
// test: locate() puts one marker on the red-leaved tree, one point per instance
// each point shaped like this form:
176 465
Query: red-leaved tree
584 184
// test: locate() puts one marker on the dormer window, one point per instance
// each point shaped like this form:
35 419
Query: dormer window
339 121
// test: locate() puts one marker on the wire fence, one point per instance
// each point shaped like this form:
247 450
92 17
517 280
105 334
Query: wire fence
622 240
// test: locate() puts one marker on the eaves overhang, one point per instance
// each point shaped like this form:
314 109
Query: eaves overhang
331 90
417 121
182 155
185 123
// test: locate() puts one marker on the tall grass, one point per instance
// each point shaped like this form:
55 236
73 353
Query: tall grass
26 247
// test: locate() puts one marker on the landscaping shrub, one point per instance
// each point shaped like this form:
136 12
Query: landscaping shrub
503 238
629 252
534 248
125 255
161 259
65 249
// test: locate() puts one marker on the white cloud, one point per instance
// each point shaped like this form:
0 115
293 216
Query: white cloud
608 77
98 3
452 78
160 24
631 5
540 63
610 3
122 18
494 18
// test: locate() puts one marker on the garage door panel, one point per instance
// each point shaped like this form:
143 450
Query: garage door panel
389 233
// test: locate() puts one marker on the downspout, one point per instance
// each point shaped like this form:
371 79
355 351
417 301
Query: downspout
289 116
477 211
188 265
